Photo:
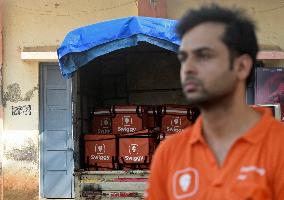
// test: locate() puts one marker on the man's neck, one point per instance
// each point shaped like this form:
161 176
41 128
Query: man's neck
224 123
227 120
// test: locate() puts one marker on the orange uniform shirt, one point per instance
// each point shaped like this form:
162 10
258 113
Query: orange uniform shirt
184 167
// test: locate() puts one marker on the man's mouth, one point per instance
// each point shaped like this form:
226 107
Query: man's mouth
190 87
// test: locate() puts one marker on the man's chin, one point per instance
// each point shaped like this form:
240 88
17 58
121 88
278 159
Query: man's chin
195 101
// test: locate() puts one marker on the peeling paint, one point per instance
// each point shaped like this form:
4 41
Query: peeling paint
91 190
27 152
56 5
14 94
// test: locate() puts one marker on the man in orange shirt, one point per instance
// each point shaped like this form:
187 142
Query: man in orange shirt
232 152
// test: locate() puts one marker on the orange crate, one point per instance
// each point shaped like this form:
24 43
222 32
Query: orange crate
101 122
175 119
100 150
137 148
133 150
127 119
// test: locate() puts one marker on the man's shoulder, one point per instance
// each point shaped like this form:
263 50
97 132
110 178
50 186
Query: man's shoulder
274 136
273 144
276 130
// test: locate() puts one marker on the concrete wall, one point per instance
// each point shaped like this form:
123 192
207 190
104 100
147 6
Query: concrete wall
268 16
30 23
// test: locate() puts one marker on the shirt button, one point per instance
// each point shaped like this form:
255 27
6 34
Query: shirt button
217 183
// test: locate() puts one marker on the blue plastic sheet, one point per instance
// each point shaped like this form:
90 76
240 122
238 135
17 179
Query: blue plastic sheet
83 45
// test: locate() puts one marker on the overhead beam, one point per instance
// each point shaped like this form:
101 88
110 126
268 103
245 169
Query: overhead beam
51 56
270 55
39 56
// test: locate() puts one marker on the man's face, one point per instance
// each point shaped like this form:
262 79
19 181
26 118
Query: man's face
206 74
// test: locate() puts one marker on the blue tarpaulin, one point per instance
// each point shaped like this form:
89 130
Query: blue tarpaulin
83 45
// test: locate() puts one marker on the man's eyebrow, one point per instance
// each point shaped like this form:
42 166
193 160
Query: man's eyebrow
201 49
195 51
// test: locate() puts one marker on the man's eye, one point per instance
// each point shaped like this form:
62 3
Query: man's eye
182 57
204 55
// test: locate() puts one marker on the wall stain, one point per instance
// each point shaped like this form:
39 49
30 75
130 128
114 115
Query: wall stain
56 5
14 94
27 152
20 181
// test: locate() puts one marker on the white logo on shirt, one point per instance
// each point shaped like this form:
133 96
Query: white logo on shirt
245 170
185 183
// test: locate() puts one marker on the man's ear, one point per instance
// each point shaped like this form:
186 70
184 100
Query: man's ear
243 66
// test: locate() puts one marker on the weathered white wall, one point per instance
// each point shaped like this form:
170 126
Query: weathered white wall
268 16
30 23
33 23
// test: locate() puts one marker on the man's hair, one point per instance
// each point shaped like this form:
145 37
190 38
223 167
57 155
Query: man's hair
239 35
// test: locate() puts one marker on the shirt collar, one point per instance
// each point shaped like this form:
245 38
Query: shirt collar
258 131
253 135
197 132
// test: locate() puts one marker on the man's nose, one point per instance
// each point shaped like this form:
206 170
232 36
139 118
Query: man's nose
189 66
